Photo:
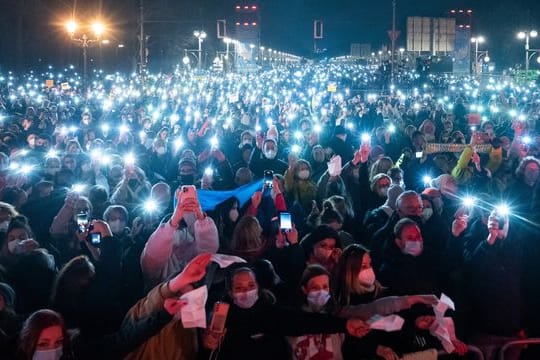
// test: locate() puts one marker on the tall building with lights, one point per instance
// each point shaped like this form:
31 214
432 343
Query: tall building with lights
245 22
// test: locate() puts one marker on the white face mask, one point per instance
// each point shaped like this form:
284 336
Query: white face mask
427 213
317 299
117 226
233 215
17 247
53 354
247 299
86 167
161 150
4 225
413 248
270 154
382 192
303 174
366 277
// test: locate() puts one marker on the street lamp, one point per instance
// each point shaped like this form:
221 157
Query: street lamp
526 35
476 41
97 27
200 35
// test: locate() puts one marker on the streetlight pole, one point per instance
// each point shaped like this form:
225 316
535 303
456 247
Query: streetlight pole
98 28
200 35
527 35
393 38
476 41
142 40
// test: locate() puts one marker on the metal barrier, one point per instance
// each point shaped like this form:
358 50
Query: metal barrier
520 343
472 349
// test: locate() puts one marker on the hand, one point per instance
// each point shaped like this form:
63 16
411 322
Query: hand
174 305
460 348
25 246
178 213
71 199
101 227
256 199
314 208
493 228
218 155
212 339
292 161
476 160
192 206
203 156
194 271
459 225
357 327
136 227
365 149
422 299
259 141
291 235
386 353
336 254
517 126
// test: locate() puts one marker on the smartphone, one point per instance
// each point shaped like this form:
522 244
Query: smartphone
419 154
217 324
285 222
188 192
268 178
82 221
95 239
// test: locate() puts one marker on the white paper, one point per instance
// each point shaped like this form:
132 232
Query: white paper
444 304
334 166
193 313
226 260
386 323
445 332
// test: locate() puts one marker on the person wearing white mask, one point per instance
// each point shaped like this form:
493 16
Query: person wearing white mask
317 298
357 285
265 157
19 241
298 184
256 327
407 267
117 218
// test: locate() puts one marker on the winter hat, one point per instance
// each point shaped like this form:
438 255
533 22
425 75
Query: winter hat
393 193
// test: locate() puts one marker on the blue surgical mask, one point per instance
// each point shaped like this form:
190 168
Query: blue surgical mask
53 354
247 299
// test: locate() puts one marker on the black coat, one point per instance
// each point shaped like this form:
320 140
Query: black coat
259 332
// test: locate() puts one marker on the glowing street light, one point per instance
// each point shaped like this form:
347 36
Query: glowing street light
477 54
526 35
97 27
200 35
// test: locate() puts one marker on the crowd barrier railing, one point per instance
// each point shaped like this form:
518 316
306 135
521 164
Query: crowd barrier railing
515 343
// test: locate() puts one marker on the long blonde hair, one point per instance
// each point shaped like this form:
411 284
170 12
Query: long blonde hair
247 235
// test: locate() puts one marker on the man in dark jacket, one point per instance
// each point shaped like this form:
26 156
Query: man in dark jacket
494 262
340 146
265 158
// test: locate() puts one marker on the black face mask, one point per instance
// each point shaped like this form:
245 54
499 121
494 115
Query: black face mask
187 179
133 183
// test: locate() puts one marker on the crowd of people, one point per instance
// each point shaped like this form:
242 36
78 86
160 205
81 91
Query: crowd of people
334 206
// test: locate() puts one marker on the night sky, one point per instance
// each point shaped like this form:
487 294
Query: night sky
285 24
